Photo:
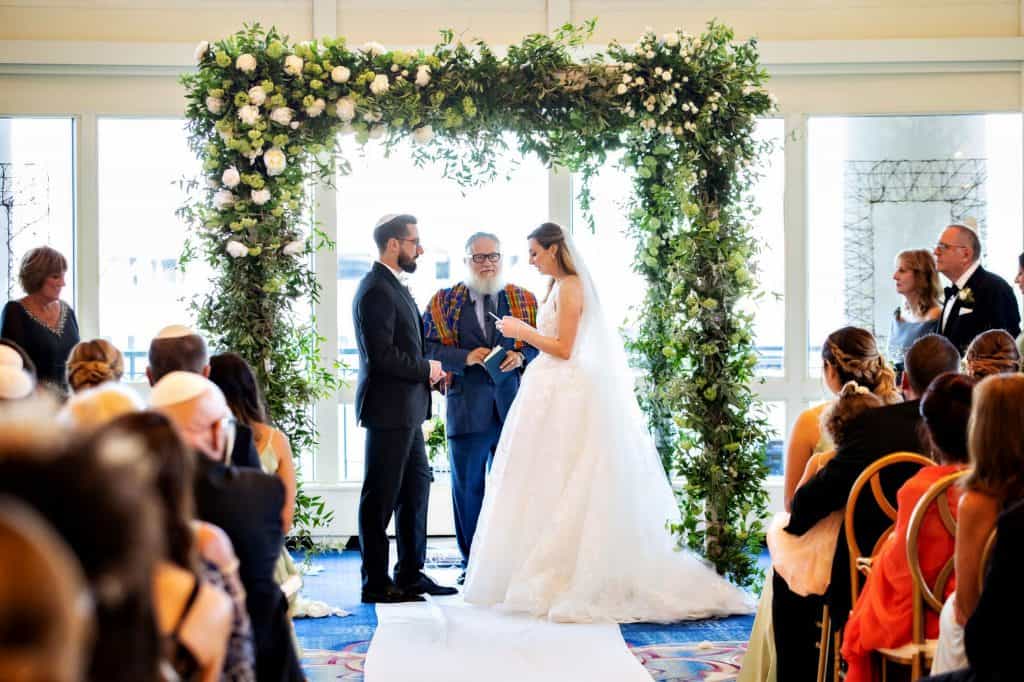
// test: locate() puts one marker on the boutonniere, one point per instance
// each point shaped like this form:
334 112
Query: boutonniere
966 296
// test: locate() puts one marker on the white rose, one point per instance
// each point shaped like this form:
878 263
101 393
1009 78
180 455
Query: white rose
281 115
374 48
236 249
380 84
245 63
671 39
422 75
249 114
257 95
294 125
223 199
293 65
215 105
376 132
346 108
294 248
260 196
275 161
316 108
423 134
621 89
201 50
231 178
340 74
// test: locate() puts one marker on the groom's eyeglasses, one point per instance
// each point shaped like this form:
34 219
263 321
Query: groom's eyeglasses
481 258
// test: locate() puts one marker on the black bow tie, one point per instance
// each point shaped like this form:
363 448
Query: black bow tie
951 291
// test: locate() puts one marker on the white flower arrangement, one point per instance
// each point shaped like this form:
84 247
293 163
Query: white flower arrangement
340 74
377 132
257 95
373 48
223 200
422 75
281 115
246 63
231 178
249 114
260 196
236 249
346 109
215 105
293 65
380 84
202 49
275 161
294 248
423 134
316 108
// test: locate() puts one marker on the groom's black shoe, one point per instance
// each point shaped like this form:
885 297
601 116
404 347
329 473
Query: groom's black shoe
389 594
424 585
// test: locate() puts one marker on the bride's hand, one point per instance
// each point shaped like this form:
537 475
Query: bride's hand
512 327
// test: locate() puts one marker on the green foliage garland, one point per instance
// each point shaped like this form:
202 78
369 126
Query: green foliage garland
264 116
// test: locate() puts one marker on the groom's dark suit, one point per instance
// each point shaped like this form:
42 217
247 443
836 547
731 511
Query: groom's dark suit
392 402
990 304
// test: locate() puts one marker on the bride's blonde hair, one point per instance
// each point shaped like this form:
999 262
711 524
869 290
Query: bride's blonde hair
549 234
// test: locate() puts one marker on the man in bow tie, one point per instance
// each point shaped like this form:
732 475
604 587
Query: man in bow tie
978 300
460 332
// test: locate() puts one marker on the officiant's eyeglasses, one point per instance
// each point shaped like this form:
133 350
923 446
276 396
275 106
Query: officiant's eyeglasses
479 258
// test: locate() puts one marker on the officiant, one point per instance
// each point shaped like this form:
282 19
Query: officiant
459 329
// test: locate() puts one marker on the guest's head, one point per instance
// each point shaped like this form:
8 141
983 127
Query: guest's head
929 356
93 408
176 349
917 280
398 241
198 410
236 380
10 352
957 249
995 440
45 608
42 273
483 260
173 465
92 363
1019 279
945 411
853 399
851 354
15 383
992 352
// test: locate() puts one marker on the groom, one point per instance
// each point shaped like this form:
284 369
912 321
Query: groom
460 333
392 402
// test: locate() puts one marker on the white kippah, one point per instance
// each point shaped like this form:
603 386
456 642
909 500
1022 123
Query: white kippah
15 383
178 387
10 358
174 331
386 219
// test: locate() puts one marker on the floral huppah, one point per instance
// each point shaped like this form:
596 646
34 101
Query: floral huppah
264 115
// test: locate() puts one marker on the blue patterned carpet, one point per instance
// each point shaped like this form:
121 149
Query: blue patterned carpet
334 648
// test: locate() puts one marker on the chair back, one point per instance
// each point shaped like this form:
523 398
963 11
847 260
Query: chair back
986 557
924 595
872 476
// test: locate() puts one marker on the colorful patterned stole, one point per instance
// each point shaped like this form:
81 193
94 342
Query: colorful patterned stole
446 308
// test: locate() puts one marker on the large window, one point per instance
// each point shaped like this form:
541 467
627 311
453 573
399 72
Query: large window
36 194
142 289
879 185
447 215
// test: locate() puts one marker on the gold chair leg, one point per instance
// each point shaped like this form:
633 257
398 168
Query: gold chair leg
836 656
823 643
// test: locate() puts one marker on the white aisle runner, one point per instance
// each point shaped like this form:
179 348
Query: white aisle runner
448 640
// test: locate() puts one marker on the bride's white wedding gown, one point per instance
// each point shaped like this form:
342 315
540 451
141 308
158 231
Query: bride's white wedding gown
573 525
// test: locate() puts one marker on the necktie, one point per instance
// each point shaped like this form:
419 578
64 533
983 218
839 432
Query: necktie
489 329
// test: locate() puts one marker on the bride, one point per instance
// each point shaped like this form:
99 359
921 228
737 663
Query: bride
573 525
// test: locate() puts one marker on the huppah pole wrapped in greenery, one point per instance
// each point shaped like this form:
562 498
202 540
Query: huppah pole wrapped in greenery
265 115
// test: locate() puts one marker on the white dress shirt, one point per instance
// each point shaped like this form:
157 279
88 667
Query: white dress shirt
960 284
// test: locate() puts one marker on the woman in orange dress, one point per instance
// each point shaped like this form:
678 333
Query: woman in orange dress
882 616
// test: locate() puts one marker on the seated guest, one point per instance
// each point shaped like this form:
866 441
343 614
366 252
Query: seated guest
9 349
882 616
992 352
92 363
917 281
40 322
45 608
193 616
179 349
996 481
245 503
872 435
15 382
93 408
100 502
989 640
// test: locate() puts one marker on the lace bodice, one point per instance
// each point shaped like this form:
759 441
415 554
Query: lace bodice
547 316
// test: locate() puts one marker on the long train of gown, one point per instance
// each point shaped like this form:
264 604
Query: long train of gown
573 524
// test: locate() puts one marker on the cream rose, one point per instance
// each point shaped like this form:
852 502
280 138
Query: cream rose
249 114
215 105
422 75
281 115
223 199
201 50
340 74
236 249
245 63
346 108
294 248
257 95
293 65
275 161
423 134
316 108
260 196
230 177
380 85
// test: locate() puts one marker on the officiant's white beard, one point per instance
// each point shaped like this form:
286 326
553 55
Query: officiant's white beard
485 286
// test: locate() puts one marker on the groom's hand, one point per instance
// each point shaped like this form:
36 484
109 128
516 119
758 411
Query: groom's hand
476 356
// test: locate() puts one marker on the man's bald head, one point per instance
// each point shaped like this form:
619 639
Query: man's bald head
197 408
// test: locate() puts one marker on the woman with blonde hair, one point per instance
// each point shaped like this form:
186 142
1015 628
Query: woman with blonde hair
992 352
917 281
996 481
92 363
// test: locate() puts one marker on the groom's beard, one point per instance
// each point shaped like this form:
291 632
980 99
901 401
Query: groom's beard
486 286
406 264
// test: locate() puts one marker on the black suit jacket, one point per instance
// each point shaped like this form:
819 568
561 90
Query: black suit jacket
394 376
994 307
870 436
246 504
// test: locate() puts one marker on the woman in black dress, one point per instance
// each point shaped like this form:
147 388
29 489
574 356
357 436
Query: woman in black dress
41 323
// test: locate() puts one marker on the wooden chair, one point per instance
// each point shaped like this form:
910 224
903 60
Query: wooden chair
829 647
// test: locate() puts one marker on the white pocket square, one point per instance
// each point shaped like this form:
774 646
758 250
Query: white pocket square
966 311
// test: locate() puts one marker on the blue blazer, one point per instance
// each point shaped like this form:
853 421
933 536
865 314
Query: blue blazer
473 396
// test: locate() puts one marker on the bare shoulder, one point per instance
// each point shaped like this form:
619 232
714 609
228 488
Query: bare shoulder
570 287
977 506
934 313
